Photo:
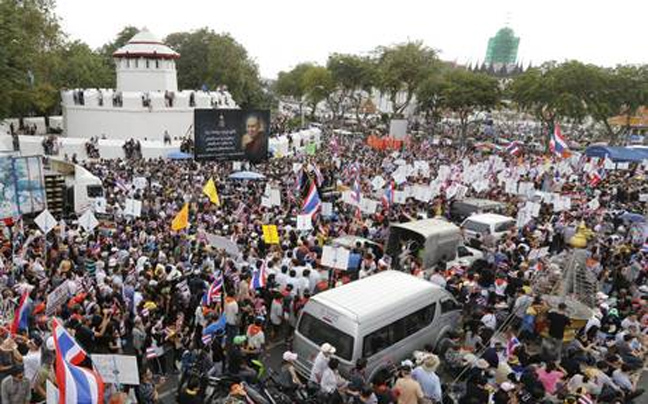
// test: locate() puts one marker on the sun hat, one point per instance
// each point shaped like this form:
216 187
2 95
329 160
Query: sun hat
482 364
289 356
431 363
327 348
507 386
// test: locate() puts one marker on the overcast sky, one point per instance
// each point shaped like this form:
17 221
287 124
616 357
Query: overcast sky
281 33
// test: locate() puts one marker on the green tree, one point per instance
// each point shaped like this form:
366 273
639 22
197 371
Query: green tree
430 98
319 86
291 84
466 92
355 77
401 69
29 33
540 91
214 59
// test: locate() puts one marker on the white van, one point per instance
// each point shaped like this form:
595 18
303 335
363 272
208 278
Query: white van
487 223
383 318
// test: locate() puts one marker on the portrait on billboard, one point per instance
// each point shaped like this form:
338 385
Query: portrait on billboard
254 141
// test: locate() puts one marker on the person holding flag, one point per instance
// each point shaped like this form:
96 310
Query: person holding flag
21 318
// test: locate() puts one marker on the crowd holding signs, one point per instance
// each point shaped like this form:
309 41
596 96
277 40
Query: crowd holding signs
181 267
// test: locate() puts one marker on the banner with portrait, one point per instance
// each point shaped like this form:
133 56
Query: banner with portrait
231 134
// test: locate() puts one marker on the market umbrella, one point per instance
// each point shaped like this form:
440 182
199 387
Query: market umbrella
178 155
246 175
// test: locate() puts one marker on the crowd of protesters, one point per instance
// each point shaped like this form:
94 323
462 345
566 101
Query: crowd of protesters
137 287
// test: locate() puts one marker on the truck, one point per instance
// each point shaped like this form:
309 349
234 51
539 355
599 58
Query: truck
433 240
70 188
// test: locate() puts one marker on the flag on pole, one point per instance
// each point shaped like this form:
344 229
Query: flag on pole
511 344
356 192
312 204
76 384
181 221
514 148
210 190
318 175
388 196
21 317
595 178
558 144
70 350
215 291
259 278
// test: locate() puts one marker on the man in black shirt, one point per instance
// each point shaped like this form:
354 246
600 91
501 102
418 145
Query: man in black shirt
558 321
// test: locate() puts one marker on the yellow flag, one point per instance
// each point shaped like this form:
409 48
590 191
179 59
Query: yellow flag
210 190
270 234
181 221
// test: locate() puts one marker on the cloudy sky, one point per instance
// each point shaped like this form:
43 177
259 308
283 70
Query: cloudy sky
281 33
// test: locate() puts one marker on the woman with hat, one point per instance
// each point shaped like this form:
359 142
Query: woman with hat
321 363
426 375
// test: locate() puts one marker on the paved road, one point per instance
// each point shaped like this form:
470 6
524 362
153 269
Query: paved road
272 360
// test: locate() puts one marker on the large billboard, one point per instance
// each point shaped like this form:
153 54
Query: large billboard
22 187
231 134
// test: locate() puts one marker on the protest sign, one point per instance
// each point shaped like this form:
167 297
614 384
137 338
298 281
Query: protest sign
304 222
335 257
57 298
117 369
270 234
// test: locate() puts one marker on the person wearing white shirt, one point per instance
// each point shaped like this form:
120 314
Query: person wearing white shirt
489 320
282 277
321 363
331 380
32 360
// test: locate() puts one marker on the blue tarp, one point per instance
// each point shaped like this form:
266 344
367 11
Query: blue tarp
623 154
178 155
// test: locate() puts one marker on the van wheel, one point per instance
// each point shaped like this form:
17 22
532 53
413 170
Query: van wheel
383 375
442 346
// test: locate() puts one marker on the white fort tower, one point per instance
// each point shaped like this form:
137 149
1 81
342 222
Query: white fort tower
146 103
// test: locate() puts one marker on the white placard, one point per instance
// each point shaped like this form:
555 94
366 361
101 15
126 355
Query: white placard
57 297
643 197
52 393
117 369
236 166
327 209
347 197
296 167
133 208
275 197
265 202
368 206
304 222
45 221
140 182
594 204
333 257
88 221
378 182
400 197
623 166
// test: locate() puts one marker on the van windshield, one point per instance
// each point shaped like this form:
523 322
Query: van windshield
319 332
476 226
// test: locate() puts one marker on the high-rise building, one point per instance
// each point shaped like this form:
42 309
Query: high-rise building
502 49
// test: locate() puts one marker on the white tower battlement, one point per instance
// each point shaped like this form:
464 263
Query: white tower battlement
146 64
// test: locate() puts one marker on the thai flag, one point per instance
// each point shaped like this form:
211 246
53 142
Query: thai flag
121 184
76 384
299 178
388 196
644 248
21 317
595 178
356 195
319 178
511 344
259 278
151 352
514 148
207 339
215 290
312 204
558 144
67 346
